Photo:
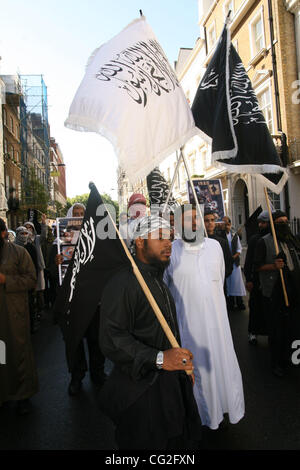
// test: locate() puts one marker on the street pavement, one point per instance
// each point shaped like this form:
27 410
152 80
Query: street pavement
60 422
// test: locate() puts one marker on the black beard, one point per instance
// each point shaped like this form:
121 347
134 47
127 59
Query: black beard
263 231
161 265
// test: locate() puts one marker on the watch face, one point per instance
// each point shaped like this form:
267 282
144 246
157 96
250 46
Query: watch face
160 359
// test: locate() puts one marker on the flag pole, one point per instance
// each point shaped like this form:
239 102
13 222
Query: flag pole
172 184
286 300
193 189
167 330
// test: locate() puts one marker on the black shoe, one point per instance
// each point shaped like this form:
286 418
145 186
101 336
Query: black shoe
74 387
23 407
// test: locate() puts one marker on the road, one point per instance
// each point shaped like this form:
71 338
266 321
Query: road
57 421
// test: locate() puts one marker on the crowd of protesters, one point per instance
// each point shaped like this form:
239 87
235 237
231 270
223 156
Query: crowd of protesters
197 282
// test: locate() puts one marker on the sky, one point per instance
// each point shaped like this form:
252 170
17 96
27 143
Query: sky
56 38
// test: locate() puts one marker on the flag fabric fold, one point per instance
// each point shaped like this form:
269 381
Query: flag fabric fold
131 95
158 190
227 113
95 259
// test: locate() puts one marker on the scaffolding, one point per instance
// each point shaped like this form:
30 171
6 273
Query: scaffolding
34 119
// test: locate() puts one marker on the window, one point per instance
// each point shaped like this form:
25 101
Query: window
5 146
212 36
7 186
274 200
225 197
229 5
12 153
12 125
257 34
17 156
206 158
193 166
168 175
235 45
265 104
4 117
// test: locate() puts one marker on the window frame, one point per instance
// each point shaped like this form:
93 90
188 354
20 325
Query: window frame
266 85
210 28
257 16
225 9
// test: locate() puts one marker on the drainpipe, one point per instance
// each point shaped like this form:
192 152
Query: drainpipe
277 103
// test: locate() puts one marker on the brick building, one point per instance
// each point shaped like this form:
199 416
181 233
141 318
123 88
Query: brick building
12 148
58 174
264 33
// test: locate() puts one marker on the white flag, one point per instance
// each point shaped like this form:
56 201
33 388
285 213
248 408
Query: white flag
130 94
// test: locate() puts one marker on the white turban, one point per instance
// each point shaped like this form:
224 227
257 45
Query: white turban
149 224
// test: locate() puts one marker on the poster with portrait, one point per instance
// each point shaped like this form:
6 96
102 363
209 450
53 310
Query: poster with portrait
209 194
67 232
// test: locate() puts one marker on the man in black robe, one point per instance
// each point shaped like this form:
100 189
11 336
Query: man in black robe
149 396
283 322
257 324
210 225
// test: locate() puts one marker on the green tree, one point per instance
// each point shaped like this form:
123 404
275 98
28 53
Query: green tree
34 194
83 199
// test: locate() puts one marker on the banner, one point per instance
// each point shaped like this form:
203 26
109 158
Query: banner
67 230
209 194
228 116
158 190
131 95
95 259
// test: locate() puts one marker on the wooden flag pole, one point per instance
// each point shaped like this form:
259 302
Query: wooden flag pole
193 189
173 182
167 330
286 300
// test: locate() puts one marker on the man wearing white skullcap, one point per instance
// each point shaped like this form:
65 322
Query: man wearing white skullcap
148 395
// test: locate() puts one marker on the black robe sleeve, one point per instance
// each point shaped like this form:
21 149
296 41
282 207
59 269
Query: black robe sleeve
121 305
249 261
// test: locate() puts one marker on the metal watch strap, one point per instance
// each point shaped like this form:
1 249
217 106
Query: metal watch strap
160 359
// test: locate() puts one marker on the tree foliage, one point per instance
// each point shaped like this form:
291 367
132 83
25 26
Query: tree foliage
83 199
35 195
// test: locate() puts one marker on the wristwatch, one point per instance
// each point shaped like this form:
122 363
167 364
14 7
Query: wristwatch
160 359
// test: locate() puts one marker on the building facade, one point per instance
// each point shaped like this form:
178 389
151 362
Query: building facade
264 33
12 148
25 180
3 198
57 174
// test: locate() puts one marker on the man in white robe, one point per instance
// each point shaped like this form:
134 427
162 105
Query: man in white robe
195 277
235 287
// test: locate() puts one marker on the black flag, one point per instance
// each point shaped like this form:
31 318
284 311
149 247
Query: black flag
96 258
158 190
32 216
251 225
226 110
